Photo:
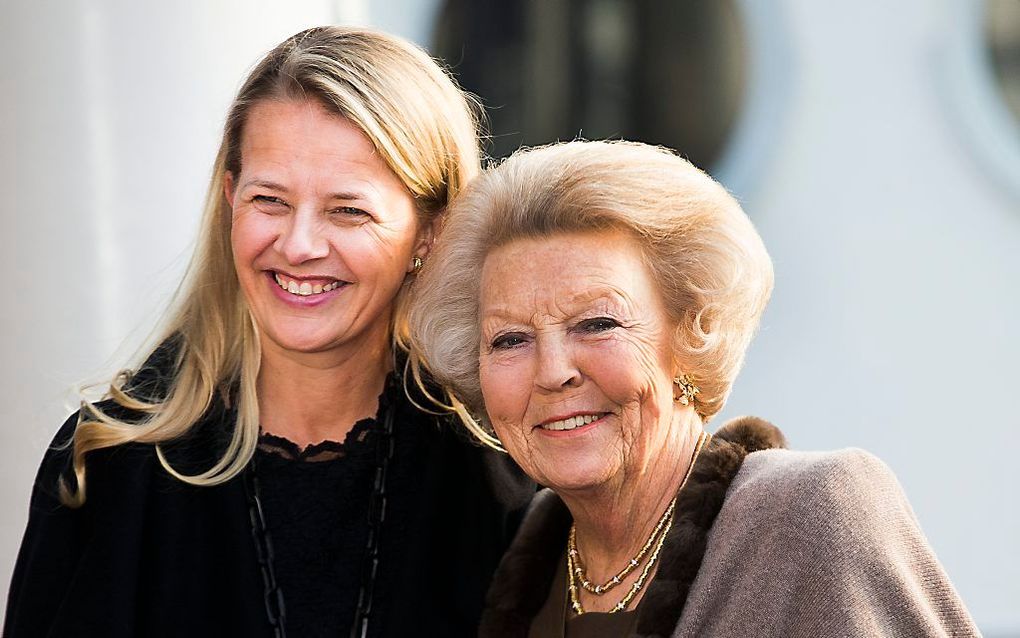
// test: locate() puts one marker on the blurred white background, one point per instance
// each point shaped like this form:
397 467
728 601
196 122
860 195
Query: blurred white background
873 151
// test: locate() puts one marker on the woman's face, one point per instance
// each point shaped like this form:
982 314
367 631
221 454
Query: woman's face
575 359
323 232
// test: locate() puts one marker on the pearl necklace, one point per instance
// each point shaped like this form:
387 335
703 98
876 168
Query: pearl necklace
577 576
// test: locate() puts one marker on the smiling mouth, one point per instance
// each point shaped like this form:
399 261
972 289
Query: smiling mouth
572 423
306 288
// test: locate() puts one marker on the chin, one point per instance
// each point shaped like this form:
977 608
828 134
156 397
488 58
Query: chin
572 466
572 479
306 341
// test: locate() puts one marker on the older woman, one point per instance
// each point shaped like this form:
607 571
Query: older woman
264 471
591 304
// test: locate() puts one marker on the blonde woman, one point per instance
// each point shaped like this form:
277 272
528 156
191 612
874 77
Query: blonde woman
592 302
265 472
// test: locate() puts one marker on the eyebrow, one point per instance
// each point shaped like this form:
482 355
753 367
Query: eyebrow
349 196
265 183
602 296
342 195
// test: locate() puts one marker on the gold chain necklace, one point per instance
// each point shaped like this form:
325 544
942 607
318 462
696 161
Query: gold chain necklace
632 564
577 578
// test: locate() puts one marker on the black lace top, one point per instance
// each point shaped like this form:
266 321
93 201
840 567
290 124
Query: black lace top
316 504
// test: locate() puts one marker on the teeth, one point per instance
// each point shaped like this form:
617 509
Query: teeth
571 423
304 288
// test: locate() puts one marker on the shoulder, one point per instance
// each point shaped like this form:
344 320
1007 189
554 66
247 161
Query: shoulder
56 464
838 482
443 435
101 466
793 465
820 543
150 382
57 460
444 459
835 506
506 483
130 466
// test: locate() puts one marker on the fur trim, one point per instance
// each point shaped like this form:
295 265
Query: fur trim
521 583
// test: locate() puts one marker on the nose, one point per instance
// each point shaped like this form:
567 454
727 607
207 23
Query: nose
304 238
556 366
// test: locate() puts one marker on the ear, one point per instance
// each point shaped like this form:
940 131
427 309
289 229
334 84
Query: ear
228 188
426 237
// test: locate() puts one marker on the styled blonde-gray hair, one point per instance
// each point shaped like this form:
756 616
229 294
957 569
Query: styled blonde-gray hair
421 124
710 265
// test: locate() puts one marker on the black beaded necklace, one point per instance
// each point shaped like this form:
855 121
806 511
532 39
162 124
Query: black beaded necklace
276 610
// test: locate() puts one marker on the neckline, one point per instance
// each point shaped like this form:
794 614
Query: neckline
327 450
355 443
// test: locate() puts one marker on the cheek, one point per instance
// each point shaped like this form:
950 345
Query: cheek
631 376
250 236
365 255
505 392
376 253
620 372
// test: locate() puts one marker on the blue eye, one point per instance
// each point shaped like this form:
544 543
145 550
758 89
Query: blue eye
508 341
598 324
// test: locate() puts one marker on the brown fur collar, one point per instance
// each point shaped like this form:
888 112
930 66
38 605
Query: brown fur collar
521 583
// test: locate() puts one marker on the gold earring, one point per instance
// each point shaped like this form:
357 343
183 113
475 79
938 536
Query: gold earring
416 264
687 389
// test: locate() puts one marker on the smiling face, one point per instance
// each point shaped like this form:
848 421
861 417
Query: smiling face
322 231
575 360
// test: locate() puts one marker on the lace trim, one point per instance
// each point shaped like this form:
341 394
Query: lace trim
318 452
328 450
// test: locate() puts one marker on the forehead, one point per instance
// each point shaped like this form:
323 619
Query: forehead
281 134
566 273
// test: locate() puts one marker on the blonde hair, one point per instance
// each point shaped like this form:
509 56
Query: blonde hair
420 122
711 267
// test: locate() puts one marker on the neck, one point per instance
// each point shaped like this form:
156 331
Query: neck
615 522
312 397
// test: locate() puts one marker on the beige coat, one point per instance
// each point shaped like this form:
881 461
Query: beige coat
766 542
